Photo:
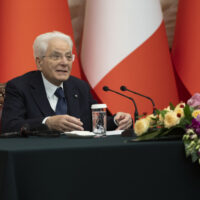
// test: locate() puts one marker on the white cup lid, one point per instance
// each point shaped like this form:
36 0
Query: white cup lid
98 106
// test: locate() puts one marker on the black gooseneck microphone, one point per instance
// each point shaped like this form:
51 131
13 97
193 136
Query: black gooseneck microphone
106 88
25 131
124 88
41 130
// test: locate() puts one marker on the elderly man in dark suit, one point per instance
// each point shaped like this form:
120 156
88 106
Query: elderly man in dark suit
50 95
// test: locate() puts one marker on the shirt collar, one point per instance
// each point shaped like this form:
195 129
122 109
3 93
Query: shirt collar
49 87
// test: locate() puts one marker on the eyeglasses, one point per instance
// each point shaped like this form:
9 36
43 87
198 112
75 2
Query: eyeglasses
58 57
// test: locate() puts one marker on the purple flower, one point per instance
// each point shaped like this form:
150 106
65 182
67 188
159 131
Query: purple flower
195 125
194 101
198 118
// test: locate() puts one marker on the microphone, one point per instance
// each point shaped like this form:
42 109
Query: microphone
41 130
124 88
21 133
11 134
106 88
25 131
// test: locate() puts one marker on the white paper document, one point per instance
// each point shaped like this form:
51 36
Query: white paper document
90 134
117 132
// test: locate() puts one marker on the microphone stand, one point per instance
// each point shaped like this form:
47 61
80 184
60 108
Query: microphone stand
105 88
124 88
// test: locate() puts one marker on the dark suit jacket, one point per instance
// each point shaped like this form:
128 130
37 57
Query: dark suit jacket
26 102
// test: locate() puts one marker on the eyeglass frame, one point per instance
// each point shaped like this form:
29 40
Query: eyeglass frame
59 57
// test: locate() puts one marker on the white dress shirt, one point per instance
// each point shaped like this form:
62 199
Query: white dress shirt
50 92
53 99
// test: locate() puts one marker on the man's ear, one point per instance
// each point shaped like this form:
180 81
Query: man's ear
38 63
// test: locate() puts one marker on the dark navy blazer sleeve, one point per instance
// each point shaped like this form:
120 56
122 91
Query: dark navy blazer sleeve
14 114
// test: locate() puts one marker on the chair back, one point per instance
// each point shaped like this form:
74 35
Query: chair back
2 95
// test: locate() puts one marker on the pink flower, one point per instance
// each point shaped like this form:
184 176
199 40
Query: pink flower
194 101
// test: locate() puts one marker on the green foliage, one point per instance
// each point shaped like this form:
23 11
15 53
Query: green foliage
188 113
172 107
163 113
191 144
190 139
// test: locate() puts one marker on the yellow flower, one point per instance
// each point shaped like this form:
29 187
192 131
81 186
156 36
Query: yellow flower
141 126
195 113
180 105
179 112
161 119
171 119
168 108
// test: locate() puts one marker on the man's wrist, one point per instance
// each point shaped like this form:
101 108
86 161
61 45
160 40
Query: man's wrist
44 120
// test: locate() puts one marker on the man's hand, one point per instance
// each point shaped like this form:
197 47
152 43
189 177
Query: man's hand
64 123
123 120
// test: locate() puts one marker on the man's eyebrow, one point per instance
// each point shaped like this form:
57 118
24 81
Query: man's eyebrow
57 52
69 52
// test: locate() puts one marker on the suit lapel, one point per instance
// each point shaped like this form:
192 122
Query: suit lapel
72 96
39 94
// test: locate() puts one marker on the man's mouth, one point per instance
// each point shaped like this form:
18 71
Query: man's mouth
62 71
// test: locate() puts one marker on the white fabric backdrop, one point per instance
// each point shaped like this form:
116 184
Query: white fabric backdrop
77 7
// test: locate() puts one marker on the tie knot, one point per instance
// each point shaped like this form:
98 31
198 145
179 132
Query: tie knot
59 93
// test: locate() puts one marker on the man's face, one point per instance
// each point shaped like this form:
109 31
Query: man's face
56 65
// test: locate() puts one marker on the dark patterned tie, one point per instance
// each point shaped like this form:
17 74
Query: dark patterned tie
61 107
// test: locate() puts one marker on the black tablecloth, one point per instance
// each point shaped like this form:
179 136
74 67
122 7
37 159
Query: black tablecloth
63 168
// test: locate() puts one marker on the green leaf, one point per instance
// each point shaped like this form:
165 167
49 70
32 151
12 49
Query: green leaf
157 111
194 156
147 136
188 113
172 107
140 116
163 113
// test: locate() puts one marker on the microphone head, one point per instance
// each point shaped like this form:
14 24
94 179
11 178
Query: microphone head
106 88
123 88
25 127
25 130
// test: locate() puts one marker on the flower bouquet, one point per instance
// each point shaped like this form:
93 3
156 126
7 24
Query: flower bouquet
180 121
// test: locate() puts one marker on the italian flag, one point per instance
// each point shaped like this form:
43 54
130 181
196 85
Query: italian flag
124 43
186 46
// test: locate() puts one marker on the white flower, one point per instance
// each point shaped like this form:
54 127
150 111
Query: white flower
190 131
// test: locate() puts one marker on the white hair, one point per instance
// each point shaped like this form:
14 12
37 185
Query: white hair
40 44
